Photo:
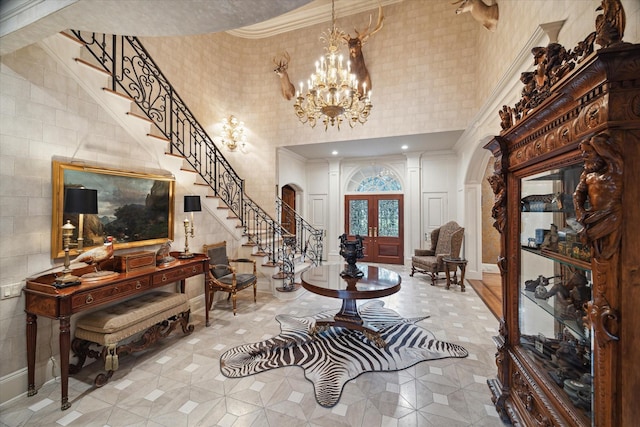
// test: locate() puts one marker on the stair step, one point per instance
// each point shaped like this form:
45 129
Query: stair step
138 116
161 138
93 67
122 95
73 38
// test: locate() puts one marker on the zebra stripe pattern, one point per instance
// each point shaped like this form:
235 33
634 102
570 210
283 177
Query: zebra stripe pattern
333 357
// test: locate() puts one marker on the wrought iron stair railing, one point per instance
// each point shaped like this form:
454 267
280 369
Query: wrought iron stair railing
134 73
307 239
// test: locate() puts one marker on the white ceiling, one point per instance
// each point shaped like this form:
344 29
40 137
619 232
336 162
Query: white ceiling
23 22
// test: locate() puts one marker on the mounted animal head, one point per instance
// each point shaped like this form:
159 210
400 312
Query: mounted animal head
287 88
481 12
355 44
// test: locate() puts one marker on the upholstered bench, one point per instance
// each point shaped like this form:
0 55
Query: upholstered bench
155 315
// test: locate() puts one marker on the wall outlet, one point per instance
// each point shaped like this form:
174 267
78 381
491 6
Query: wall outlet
11 290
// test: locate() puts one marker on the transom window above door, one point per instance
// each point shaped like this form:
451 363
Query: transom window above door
374 179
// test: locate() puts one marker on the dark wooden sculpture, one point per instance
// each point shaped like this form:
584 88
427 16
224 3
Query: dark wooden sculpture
600 184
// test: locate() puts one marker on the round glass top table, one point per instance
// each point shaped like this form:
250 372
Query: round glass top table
326 280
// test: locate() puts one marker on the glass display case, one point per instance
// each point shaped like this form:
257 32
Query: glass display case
566 191
555 285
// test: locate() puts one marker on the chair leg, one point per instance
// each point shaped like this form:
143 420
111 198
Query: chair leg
433 278
413 270
233 299
255 289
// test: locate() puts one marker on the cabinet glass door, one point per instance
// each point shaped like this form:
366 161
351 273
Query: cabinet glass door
555 285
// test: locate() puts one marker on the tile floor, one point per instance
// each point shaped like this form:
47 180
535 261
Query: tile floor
178 382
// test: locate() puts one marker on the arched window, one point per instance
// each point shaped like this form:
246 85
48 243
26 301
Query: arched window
374 179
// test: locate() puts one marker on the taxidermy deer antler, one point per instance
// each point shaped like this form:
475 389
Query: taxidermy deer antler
287 88
358 67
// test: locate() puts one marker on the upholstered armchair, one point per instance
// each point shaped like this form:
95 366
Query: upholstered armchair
446 242
222 276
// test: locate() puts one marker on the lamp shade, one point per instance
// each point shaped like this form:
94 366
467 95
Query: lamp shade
192 204
81 201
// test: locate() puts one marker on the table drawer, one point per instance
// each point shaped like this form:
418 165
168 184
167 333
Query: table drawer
109 293
173 275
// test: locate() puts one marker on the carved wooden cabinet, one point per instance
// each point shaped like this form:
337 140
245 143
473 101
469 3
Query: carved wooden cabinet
567 205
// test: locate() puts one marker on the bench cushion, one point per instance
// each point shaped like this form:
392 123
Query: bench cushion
115 323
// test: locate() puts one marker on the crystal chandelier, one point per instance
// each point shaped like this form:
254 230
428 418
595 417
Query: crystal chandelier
332 91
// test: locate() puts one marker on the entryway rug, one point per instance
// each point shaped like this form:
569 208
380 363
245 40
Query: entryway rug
337 355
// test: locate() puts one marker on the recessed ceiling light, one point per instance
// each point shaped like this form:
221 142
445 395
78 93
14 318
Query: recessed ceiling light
334 152
404 147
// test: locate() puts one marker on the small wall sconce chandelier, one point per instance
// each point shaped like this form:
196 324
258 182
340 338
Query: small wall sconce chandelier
76 201
191 204
233 135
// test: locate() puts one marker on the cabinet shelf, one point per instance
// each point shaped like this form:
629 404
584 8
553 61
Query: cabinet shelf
555 256
569 323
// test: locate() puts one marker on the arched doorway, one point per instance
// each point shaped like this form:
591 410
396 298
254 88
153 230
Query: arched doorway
374 210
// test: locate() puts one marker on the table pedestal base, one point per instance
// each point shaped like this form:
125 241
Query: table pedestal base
348 317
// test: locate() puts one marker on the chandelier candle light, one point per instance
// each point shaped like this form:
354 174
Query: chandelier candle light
332 91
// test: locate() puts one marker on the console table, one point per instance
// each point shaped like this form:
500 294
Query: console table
42 298
376 282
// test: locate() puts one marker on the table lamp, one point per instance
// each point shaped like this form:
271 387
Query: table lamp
191 204
76 201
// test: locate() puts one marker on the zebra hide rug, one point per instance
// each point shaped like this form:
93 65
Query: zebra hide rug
337 355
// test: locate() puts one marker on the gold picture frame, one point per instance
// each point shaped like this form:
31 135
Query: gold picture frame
136 209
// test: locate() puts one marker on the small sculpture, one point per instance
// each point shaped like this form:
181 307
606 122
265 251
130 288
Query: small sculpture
551 239
351 251
162 255
96 255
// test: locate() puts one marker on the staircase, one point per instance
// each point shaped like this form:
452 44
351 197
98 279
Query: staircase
120 75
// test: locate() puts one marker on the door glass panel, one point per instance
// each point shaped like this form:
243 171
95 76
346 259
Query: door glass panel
358 217
388 220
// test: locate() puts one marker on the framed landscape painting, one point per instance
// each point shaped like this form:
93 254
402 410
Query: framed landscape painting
134 209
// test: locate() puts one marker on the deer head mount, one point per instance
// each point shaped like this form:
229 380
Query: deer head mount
287 88
481 12
358 67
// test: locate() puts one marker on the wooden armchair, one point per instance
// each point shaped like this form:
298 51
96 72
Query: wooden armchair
446 242
222 276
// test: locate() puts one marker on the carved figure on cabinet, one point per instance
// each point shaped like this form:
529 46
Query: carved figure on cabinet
601 185
506 117
498 211
610 24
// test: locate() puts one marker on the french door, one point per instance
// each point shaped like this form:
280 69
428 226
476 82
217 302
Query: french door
379 219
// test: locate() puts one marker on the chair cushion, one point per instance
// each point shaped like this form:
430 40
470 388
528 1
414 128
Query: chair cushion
242 280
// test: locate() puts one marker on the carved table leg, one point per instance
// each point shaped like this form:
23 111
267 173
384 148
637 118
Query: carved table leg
448 274
463 267
32 333
65 346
